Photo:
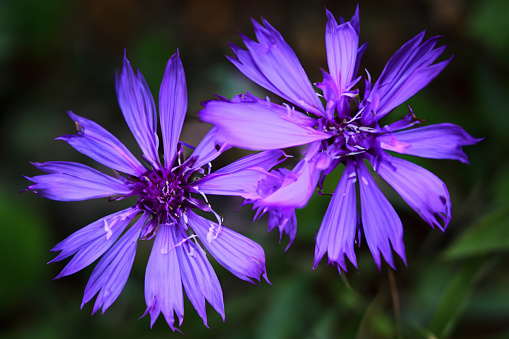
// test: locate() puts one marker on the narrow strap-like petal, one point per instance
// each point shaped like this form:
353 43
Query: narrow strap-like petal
272 64
99 144
90 242
341 43
137 105
240 178
199 279
238 254
338 230
243 183
208 149
285 220
381 224
71 181
421 189
297 186
260 125
111 273
163 281
265 160
172 107
440 141
408 71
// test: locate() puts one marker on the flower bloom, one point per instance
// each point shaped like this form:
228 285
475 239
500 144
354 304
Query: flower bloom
344 129
166 193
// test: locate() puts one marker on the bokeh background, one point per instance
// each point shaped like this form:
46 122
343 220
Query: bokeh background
59 55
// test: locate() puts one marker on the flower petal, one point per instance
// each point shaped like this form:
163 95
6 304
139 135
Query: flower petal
341 43
139 110
297 187
207 150
172 107
200 280
110 275
163 281
272 64
241 178
339 226
99 144
265 160
421 189
256 124
71 181
92 241
440 141
381 224
238 254
285 220
408 71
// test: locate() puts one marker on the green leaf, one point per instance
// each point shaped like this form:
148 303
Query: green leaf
455 298
488 235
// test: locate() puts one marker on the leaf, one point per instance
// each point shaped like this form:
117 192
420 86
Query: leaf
455 298
488 235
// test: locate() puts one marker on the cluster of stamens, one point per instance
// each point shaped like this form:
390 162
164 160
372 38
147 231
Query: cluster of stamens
348 137
162 193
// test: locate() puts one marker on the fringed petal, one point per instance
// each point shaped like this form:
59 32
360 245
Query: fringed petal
272 64
100 145
440 141
238 254
421 189
338 230
110 275
172 107
256 124
137 105
71 181
90 242
381 224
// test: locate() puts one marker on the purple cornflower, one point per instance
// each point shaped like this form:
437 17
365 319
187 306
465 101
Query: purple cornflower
344 129
166 198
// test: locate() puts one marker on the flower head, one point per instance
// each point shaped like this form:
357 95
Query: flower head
344 130
168 191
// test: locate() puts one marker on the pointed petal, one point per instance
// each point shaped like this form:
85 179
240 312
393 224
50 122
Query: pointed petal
92 241
257 124
285 220
297 187
272 64
339 226
163 281
208 149
71 181
111 273
381 224
242 177
408 71
341 43
242 183
238 254
199 279
440 141
172 107
100 145
421 189
265 160
139 110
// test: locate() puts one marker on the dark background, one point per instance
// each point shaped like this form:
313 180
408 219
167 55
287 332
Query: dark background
62 55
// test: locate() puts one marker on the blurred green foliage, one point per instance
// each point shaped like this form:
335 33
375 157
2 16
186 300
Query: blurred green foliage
60 55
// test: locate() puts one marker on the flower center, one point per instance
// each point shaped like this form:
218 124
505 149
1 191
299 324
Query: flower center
348 137
164 194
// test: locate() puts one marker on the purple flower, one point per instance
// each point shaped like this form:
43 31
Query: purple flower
167 194
344 129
